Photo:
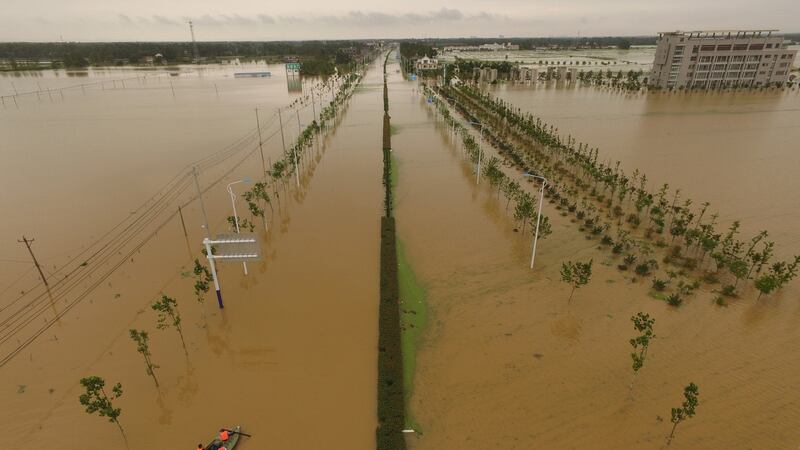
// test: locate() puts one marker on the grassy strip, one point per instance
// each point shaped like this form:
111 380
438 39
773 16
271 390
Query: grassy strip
391 401
413 317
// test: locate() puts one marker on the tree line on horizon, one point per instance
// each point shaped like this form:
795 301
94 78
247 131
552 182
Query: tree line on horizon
320 56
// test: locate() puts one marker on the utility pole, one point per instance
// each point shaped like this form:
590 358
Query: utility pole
195 53
35 262
202 205
260 146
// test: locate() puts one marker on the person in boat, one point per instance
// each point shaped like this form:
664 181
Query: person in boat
225 434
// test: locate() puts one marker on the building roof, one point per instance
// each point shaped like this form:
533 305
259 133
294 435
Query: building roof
720 33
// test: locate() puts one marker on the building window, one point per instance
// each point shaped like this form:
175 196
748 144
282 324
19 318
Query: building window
722 48
738 58
751 67
756 47
769 45
754 58
740 47
735 67
780 72
708 48
721 58
719 66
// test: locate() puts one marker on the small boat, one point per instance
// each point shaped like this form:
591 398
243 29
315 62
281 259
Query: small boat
233 439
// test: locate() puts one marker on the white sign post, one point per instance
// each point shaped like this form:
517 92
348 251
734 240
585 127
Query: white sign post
230 247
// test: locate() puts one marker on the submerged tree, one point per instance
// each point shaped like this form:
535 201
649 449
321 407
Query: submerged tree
524 210
202 280
644 325
96 400
577 274
779 274
686 410
142 340
169 316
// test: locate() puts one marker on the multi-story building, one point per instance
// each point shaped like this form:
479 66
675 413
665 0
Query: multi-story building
426 63
711 59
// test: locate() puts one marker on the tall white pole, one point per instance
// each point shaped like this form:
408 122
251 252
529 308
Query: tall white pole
213 271
236 217
538 220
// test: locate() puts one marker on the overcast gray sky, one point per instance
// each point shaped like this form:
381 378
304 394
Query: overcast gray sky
153 20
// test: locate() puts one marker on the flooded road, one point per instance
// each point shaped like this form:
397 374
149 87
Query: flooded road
506 362
291 358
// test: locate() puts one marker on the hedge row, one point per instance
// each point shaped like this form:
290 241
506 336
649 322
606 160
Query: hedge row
391 398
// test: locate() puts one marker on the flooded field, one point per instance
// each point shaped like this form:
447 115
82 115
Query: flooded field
501 358
291 358
737 151
507 362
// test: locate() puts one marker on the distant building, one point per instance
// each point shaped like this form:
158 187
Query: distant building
711 59
525 74
426 63
483 47
484 75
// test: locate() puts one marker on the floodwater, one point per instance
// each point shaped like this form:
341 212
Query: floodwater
736 150
291 358
506 362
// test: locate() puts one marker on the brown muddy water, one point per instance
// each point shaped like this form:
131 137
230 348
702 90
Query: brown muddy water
291 358
736 150
506 362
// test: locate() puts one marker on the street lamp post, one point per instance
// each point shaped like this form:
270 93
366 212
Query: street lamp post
539 215
480 151
235 216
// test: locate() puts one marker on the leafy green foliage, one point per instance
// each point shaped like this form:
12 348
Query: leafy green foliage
202 282
96 400
644 325
169 316
142 340
686 410
576 274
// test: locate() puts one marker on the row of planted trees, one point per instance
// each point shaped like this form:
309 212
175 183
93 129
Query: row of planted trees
279 174
575 274
629 218
100 400
524 204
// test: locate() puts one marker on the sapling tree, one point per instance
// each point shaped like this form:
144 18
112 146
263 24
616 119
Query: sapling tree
202 281
576 274
644 326
169 316
142 340
778 275
96 400
524 210
243 223
686 410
